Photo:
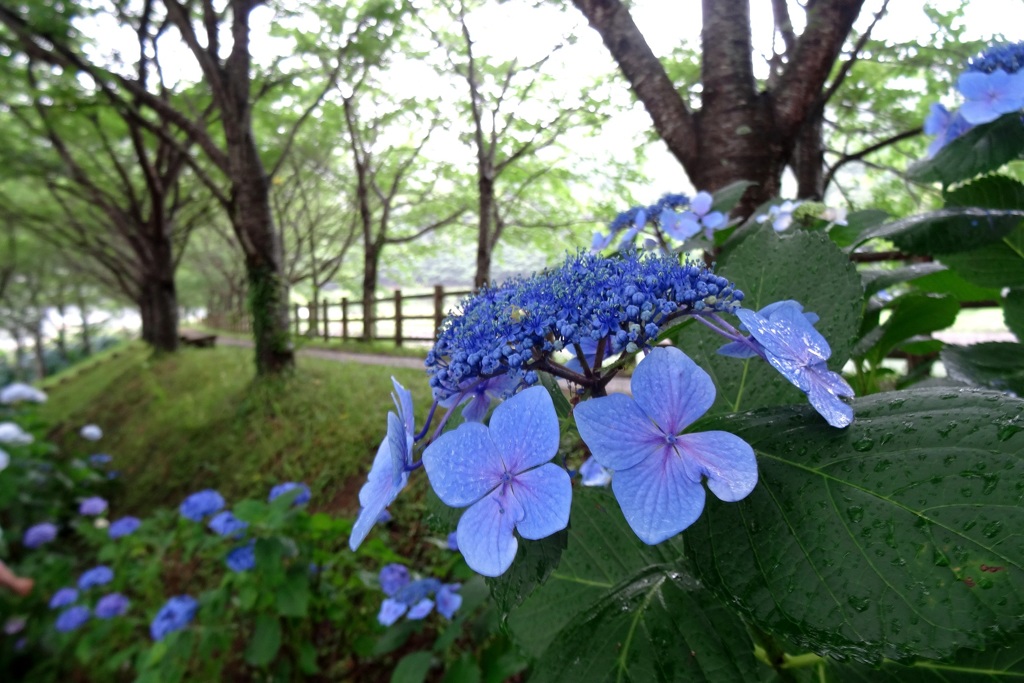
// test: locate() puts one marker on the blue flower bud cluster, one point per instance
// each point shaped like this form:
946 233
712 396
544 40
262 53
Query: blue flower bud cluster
1008 56
625 299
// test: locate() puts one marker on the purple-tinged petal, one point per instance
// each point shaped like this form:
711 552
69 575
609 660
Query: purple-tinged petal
485 533
421 609
393 578
701 203
376 494
391 611
403 404
463 465
477 407
671 389
617 432
714 220
400 446
657 497
592 473
545 494
525 429
937 120
449 599
725 459
787 334
825 388
737 350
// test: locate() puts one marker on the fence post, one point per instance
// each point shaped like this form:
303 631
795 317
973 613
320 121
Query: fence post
327 323
344 318
295 311
438 308
398 317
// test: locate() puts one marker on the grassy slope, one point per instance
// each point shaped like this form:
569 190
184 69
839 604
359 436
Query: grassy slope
196 420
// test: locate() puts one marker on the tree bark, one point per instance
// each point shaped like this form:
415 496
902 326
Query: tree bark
484 242
371 260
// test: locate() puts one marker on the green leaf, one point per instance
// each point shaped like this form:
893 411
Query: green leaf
293 594
804 266
950 282
412 668
562 407
877 279
979 150
726 199
994 365
997 265
947 231
1013 311
911 315
990 192
535 560
464 670
265 641
269 552
994 665
856 223
618 609
897 537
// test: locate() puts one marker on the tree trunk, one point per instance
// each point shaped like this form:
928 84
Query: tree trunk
62 330
484 241
83 311
264 263
313 329
371 259
808 161
40 348
159 309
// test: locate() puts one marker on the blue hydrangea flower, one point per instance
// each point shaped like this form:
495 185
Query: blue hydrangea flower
112 605
504 474
421 609
515 327
224 523
589 346
39 534
12 434
17 392
123 527
242 558
97 576
63 598
946 126
448 599
990 95
393 578
92 506
657 468
201 504
453 540
780 215
391 610
793 347
173 616
5 460
91 433
72 618
683 226
480 393
1006 56
98 459
390 470
592 473
750 348
301 498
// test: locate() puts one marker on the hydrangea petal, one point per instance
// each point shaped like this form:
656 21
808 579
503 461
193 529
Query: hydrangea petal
787 333
448 599
701 203
402 398
737 350
592 473
545 494
671 389
485 533
657 497
725 459
421 609
391 610
463 464
525 429
376 494
617 432
824 389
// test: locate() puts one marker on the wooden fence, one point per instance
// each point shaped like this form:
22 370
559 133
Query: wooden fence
401 318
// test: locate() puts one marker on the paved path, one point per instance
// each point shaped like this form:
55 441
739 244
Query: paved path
618 384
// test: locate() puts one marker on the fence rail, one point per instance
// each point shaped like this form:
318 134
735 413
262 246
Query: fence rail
402 318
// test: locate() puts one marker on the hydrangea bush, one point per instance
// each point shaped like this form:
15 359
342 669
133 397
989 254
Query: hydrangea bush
863 523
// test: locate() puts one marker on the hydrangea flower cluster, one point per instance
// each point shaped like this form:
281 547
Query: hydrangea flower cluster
13 435
39 534
505 472
92 506
673 216
992 85
17 392
512 329
201 504
91 433
123 527
301 498
175 615
412 598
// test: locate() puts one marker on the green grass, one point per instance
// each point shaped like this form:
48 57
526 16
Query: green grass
196 419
